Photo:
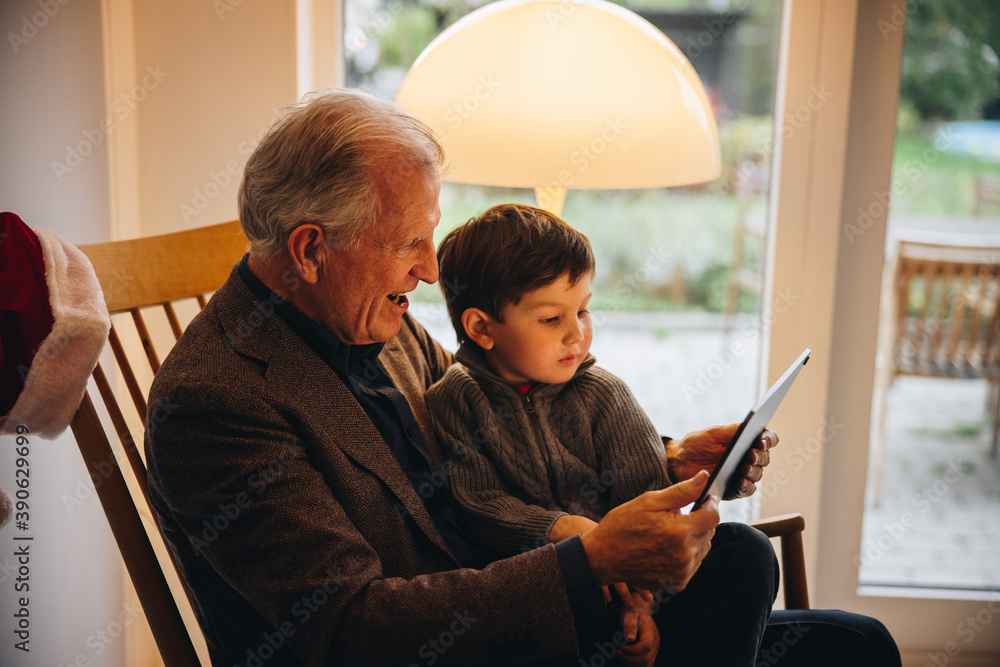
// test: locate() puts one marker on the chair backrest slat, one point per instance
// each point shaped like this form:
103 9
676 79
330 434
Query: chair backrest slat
123 431
146 339
138 396
938 287
175 325
961 297
991 348
977 303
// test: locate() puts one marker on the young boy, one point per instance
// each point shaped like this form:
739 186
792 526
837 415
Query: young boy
542 442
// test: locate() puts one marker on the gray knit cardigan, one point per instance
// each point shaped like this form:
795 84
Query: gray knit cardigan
519 462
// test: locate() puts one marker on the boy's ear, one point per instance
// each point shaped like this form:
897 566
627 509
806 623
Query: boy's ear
477 327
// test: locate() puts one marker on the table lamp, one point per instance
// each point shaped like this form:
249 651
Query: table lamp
559 95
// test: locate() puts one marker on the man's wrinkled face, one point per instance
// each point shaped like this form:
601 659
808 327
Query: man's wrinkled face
364 290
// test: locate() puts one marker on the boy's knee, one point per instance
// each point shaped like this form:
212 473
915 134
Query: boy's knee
749 551
750 544
877 643
828 636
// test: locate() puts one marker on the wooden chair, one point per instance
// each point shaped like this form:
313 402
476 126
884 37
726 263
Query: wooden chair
939 319
135 275
153 274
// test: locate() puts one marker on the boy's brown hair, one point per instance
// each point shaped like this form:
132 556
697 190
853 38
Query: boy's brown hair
494 259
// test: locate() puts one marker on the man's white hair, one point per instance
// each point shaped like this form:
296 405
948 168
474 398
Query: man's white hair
316 165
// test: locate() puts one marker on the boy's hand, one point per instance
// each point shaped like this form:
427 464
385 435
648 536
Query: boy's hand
628 598
638 625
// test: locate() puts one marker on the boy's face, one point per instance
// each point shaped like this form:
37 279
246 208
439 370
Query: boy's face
544 337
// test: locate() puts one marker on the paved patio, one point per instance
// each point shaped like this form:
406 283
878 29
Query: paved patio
938 523
938 471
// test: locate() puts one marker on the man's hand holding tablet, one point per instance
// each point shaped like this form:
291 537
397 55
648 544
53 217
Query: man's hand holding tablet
701 450
735 454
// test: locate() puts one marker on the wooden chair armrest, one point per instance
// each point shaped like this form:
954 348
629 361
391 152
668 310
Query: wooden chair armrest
779 526
788 528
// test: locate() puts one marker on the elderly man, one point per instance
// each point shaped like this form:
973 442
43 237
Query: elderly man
301 489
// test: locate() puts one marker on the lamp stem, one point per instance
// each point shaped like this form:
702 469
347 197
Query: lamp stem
550 199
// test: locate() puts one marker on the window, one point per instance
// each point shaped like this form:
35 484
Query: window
679 271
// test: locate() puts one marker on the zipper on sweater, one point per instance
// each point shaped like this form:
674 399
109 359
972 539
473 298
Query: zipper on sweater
529 407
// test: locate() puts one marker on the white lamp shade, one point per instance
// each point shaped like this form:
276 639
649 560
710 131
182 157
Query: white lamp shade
563 95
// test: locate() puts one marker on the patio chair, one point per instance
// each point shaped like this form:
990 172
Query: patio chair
153 274
939 318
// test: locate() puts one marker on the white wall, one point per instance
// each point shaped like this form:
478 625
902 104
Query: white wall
223 74
121 119
51 106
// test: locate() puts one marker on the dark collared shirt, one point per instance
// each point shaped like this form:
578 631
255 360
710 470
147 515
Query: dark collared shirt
359 368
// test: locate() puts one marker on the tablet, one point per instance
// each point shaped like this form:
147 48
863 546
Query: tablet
725 477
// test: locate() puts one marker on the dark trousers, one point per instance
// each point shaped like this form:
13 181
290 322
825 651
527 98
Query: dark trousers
723 618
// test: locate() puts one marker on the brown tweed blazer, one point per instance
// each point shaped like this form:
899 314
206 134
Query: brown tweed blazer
300 536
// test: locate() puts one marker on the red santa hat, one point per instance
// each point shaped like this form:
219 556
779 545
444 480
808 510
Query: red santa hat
53 325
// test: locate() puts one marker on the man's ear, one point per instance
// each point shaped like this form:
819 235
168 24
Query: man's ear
307 247
477 325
